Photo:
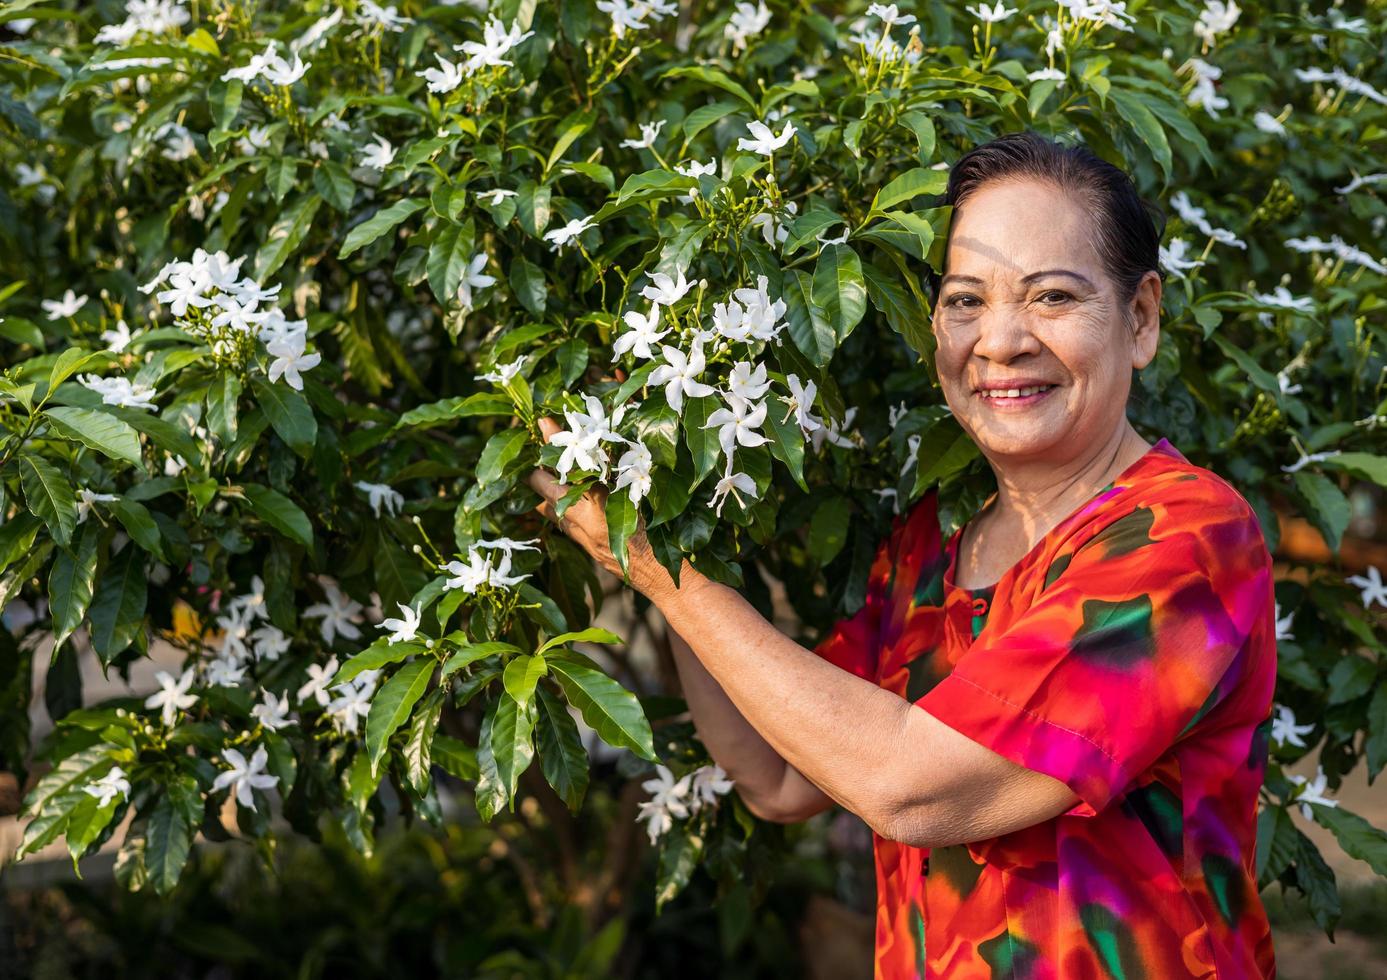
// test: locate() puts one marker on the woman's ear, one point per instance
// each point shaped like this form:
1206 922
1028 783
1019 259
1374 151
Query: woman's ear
1144 314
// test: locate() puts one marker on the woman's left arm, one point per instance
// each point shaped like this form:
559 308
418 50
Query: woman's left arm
908 775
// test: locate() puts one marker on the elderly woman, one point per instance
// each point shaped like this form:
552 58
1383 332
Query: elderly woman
1056 720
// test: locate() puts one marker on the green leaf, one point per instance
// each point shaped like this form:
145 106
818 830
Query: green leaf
455 756
170 834
574 125
702 442
71 583
715 78
679 856
501 450
335 185
1135 112
139 524
809 328
607 707
49 495
451 409
527 282
522 674
512 744
593 634
279 512
623 519
923 128
704 116
392 704
102 432
490 793
1365 465
17 537
379 654
839 289
1316 880
85 824
117 609
828 529
223 393
286 234
469 653
909 186
451 250
418 750
289 413
561 754
1276 844
382 222
1329 509
944 450
1356 836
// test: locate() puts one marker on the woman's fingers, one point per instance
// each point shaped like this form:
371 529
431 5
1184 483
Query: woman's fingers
547 427
547 486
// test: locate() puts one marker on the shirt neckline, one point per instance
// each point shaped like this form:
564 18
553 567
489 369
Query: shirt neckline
1163 447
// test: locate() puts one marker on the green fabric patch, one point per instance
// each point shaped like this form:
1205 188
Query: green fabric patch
1226 884
1126 534
1112 941
1056 569
922 676
955 866
1010 956
929 587
1115 633
1159 809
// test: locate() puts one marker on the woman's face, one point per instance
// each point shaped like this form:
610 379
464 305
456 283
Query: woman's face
1025 300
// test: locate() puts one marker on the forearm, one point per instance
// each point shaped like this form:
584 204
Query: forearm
770 787
843 733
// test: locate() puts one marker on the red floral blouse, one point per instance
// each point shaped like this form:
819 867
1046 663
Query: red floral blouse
1130 654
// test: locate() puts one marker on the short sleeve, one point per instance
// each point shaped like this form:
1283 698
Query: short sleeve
854 643
1131 639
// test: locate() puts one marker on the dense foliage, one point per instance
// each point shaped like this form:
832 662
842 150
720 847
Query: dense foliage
287 286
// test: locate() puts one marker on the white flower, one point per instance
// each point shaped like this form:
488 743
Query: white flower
642 334
629 15
801 401
245 777
1268 123
890 17
762 140
751 314
119 391
1281 297
1283 380
312 37
350 707
773 224
252 69
1172 257
1312 792
1373 588
338 613
319 676
710 782
1307 459
402 630
269 642
446 77
648 133
833 432
109 786
504 373
993 15
85 498
468 577
669 799
290 359
1358 182
371 14
381 493
1203 93
172 696
496 195
582 440
1285 731
665 291
731 483
679 374
67 306
1216 18
473 278
1046 74
738 424
745 23
633 471
1104 12
1339 247
568 233
1196 216
378 156
1345 81
496 41
272 712
223 672
748 381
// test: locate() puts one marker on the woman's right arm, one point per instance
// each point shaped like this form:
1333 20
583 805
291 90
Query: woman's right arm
771 788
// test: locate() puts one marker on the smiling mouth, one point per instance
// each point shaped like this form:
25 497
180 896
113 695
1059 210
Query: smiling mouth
1014 394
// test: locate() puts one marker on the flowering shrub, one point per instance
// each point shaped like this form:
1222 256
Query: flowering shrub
292 284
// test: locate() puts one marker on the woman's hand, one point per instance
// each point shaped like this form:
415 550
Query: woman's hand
585 521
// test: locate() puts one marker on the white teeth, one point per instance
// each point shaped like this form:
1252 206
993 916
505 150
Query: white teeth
1014 392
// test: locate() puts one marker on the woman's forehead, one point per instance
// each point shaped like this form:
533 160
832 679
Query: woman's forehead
1014 228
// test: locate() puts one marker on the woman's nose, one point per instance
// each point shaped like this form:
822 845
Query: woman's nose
1003 334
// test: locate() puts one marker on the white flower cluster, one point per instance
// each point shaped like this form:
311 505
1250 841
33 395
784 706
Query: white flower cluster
681 798
372 15
1196 216
339 614
1203 94
481 569
746 22
877 42
1374 590
631 15
243 642
244 777
490 51
35 176
1338 247
1312 792
1216 18
119 391
1343 80
109 786
211 283
1285 731
1104 13
271 67
144 17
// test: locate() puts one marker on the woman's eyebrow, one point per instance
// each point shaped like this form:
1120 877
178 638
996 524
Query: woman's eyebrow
1032 277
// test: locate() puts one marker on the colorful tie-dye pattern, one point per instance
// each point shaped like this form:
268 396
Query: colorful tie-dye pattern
1130 654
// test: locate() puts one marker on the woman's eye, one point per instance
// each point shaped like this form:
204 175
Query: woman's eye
1054 296
961 299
